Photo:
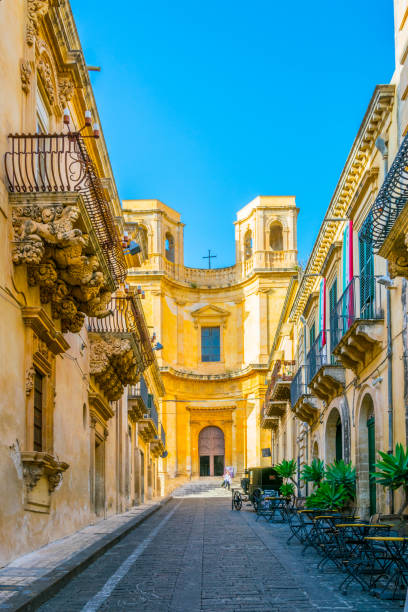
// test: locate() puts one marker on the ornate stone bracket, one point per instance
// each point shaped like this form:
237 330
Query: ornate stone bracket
112 363
60 259
36 467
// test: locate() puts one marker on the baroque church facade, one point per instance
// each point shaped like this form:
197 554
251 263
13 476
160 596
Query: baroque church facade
216 327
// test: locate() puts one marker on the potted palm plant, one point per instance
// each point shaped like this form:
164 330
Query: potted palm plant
392 473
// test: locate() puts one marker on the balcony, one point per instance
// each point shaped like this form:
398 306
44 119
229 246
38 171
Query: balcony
149 423
282 376
64 230
357 324
387 222
158 445
120 345
304 404
326 377
137 400
269 422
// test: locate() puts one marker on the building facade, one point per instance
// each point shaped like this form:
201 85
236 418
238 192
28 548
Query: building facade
216 327
339 358
80 432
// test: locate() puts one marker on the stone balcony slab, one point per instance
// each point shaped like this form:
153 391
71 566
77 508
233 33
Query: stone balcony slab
360 344
329 382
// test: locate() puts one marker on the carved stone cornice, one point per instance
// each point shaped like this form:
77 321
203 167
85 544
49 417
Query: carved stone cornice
112 363
98 406
43 327
36 465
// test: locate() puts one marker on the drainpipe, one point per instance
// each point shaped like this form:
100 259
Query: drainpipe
382 146
303 321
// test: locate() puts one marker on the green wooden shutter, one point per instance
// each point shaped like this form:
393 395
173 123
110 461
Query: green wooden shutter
367 282
312 335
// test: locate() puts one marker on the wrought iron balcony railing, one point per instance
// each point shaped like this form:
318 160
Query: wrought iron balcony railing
390 200
282 371
362 299
60 163
139 390
126 318
152 411
320 354
299 384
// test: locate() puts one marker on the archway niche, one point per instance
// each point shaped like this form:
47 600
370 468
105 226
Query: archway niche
276 236
169 247
211 450
315 450
334 437
367 493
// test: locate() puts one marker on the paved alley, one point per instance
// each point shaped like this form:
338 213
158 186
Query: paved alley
195 554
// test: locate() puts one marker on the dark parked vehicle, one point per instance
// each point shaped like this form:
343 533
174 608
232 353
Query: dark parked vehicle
258 481
261 480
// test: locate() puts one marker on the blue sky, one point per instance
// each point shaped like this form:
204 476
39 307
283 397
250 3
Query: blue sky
205 105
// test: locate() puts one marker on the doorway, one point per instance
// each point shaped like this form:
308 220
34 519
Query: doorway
142 470
211 450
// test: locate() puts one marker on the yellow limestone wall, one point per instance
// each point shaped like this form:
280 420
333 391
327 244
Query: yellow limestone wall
245 300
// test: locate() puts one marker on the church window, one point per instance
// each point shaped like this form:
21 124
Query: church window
248 244
276 237
169 247
38 411
210 344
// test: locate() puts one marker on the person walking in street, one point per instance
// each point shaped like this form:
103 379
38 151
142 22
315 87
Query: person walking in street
227 480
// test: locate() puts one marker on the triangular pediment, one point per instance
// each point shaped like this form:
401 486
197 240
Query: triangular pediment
210 314
210 311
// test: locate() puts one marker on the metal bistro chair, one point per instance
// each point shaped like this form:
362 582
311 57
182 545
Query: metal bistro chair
265 506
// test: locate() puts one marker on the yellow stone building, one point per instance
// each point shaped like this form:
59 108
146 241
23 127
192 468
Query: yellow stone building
338 372
216 327
80 436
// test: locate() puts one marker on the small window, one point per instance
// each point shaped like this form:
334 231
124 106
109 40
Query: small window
169 247
210 344
248 244
276 237
38 412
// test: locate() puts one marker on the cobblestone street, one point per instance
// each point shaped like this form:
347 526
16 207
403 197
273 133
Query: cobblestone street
195 554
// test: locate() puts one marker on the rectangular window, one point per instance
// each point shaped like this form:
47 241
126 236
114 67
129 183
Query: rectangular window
38 411
312 335
210 344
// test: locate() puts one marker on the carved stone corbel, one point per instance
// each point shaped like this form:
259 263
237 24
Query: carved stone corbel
112 363
60 261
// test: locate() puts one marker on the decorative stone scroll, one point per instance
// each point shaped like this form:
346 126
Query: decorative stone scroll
36 9
61 262
112 363
25 74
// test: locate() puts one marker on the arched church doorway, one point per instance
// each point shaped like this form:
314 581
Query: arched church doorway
211 450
